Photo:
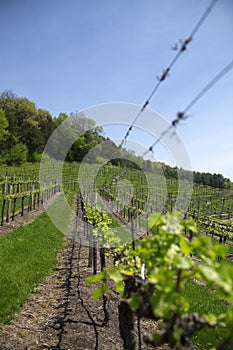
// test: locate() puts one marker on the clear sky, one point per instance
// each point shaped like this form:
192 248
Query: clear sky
68 55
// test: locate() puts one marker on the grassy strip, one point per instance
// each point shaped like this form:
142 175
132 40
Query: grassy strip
121 232
204 301
27 255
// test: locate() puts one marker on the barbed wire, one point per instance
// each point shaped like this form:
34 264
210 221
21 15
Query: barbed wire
182 115
181 47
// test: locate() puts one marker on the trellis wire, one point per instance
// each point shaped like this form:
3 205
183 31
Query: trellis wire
166 72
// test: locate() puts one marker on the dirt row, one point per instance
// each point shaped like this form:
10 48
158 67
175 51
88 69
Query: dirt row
61 313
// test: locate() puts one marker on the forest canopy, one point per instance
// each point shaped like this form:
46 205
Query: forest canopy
25 130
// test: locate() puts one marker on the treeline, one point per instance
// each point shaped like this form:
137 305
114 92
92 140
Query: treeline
214 180
201 178
26 129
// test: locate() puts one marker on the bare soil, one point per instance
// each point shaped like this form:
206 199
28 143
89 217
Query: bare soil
61 313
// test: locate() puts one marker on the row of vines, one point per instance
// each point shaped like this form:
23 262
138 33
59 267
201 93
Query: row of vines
130 194
20 190
149 261
151 269
150 275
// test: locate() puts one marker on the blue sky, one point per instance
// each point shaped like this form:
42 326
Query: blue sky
68 55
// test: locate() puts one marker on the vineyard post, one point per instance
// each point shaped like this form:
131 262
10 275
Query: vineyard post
5 186
22 207
9 204
90 257
170 200
129 214
42 196
198 209
147 224
223 205
94 202
137 217
85 227
14 207
33 197
3 208
185 227
38 198
132 230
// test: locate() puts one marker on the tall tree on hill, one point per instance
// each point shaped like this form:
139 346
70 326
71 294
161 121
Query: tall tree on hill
46 126
74 138
26 126
3 125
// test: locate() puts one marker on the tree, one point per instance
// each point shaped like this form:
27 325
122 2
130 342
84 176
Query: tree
46 125
74 137
3 125
29 126
8 105
86 141
58 120
26 124
17 154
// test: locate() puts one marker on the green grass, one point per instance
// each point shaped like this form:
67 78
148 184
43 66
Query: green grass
204 301
123 234
27 255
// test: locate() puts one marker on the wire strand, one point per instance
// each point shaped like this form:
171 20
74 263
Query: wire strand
182 115
166 72
219 76
202 19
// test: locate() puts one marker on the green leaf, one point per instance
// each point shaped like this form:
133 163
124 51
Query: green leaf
209 273
154 220
172 224
95 278
99 292
185 246
211 319
134 301
119 288
115 274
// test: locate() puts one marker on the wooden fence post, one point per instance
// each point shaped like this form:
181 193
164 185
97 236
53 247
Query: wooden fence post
8 213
